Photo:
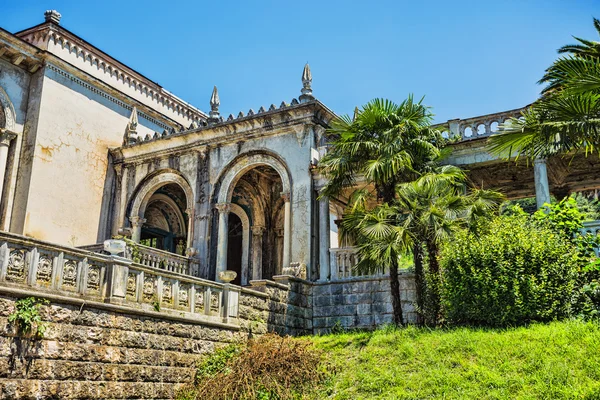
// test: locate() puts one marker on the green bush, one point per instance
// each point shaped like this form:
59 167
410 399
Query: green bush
511 272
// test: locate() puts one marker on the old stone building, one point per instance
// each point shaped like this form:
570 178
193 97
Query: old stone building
94 149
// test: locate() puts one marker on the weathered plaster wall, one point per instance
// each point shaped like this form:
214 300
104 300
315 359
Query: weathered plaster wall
76 126
363 303
15 85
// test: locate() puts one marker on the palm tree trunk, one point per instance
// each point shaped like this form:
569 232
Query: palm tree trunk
434 287
389 194
419 281
395 292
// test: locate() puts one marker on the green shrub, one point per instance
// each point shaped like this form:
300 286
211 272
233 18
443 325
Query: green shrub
27 318
511 272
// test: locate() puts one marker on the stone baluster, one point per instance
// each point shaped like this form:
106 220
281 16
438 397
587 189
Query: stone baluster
223 209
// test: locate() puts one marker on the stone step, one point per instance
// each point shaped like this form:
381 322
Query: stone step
51 349
26 389
43 369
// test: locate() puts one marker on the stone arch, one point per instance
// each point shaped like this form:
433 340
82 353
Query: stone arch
239 211
243 164
7 112
180 220
147 188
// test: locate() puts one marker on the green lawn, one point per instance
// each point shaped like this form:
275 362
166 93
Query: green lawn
553 361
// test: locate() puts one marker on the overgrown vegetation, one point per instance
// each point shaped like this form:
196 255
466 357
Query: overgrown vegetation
26 317
521 268
509 272
269 367
560 360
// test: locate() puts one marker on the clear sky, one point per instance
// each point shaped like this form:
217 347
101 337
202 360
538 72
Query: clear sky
467 57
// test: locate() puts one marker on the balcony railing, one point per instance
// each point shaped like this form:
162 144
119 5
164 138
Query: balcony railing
76 272
154 258
342 262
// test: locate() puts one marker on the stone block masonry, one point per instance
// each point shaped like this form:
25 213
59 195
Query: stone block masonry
88 352
360 303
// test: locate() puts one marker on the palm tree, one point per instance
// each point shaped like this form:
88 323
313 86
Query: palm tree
586 47
383 145
567 116
424 213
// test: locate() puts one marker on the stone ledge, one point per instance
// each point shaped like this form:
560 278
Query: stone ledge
115 308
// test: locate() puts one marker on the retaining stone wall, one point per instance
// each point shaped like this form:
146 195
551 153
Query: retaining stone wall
362 303
90 353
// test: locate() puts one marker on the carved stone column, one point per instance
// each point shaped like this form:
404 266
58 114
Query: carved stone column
123 200
542 188
257 240
279 251
287 230
136 224
5 139
190 231
223 237
324 240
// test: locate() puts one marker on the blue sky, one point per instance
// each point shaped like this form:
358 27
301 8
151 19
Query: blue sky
467 57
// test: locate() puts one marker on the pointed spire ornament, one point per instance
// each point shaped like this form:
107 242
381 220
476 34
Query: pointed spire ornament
306 85
215 102
355 114
131 135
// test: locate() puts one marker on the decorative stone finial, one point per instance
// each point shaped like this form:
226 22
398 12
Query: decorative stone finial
215 102
355 113
52 16
306 82
131 135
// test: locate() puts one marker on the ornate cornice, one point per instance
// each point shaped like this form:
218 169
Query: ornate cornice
62 43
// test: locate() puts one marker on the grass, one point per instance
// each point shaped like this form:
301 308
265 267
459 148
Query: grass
560 360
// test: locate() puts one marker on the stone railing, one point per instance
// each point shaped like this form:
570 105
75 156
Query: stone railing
76 272
342 262
155 258
477 127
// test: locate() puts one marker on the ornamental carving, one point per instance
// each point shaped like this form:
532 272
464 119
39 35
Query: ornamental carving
184 291
44 270
70 274
16 266
131 285
149 285
167 292
93 282
199 305
214 301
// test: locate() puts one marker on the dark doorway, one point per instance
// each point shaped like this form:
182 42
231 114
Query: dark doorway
234 247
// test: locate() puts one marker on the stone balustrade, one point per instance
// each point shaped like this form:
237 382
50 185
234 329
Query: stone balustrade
477 127
151 286
343 260
155 258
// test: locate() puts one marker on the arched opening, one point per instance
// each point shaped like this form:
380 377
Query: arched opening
258 193
257 187
165 225
234 247
161 212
